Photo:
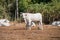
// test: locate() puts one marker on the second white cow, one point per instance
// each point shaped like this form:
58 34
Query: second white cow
56 23
4 22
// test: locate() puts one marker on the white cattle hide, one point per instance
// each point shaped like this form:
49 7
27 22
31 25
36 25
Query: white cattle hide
4 22
29 17
56 23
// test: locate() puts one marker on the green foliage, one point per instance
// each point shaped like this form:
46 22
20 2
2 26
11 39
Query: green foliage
50 9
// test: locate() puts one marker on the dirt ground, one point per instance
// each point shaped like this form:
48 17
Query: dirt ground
18 32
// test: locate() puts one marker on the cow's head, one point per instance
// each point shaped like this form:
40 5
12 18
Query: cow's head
23 15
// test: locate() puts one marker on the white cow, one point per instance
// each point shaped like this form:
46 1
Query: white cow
29 18
4 22
56 23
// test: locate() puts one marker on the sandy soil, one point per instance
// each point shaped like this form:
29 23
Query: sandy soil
18 32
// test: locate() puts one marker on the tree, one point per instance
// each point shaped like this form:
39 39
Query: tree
17 8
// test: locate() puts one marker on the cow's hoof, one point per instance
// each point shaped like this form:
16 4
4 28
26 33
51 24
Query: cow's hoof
40 28
28 28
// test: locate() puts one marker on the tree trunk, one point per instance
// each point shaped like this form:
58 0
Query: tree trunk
17 8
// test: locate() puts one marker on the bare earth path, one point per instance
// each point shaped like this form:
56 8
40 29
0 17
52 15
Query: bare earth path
18 32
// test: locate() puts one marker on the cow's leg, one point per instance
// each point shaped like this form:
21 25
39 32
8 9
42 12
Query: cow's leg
0 24
33 24
40 25
25 21
28 25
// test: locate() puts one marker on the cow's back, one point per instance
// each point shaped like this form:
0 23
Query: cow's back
34 17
